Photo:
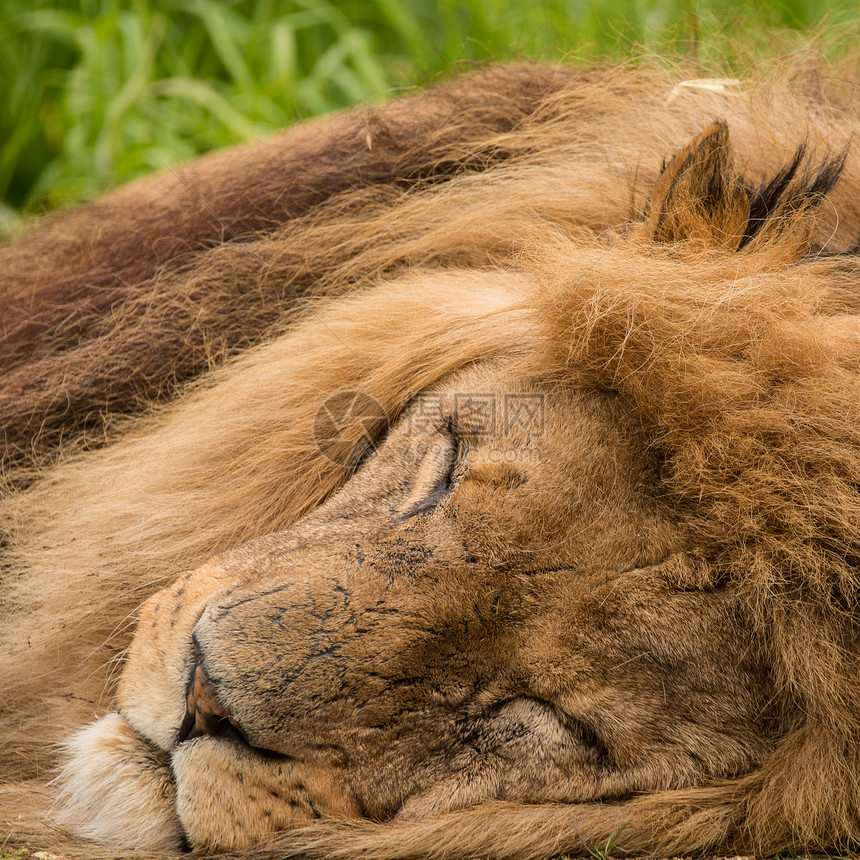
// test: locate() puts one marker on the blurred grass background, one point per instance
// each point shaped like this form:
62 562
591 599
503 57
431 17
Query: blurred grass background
95 92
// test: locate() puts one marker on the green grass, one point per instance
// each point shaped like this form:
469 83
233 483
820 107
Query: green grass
95 92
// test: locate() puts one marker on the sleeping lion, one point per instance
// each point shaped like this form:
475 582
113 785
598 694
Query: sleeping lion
473 476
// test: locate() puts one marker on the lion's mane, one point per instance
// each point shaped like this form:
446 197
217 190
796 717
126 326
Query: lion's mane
164 351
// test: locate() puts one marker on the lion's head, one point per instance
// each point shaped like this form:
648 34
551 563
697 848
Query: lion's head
481 613
535 529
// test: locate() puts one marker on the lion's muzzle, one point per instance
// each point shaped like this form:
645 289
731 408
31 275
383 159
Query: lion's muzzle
204 714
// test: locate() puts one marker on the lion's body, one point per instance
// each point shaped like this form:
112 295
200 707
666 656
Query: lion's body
633 617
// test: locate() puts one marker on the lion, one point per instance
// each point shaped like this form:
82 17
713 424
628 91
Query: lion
471 476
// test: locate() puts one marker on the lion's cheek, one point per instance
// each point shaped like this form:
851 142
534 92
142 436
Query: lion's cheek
229 798
117 788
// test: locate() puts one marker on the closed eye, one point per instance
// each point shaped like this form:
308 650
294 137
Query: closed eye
439 458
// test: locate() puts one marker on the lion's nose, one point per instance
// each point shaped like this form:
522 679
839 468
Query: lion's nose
204 713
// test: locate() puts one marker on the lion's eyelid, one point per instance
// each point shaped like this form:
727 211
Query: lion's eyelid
442 476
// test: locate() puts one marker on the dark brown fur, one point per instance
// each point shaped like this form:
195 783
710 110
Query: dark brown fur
119 276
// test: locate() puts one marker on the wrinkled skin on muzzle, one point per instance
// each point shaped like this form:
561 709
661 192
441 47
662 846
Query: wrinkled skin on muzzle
482 612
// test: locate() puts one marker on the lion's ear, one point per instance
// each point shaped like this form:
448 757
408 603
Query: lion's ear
698 198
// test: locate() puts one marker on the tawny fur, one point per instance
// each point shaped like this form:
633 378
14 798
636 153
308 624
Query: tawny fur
741 365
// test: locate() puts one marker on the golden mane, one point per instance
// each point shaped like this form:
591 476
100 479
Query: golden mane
134 451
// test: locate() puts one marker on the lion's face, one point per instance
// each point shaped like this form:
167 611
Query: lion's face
495 606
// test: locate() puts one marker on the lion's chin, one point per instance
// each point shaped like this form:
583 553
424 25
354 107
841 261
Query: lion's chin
231 796
116 787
